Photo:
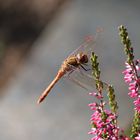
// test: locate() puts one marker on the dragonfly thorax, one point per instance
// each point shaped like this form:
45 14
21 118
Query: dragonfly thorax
74 61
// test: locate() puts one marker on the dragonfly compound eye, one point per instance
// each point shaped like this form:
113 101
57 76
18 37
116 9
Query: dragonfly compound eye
83 58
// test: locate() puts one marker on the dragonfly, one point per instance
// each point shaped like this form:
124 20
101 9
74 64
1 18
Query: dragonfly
78 65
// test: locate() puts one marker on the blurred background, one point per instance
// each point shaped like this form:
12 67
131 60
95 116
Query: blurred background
35 37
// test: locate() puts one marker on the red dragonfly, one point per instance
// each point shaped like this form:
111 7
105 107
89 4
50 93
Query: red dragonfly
77 63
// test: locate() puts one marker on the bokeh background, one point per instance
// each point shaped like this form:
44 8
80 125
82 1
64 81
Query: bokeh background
35 37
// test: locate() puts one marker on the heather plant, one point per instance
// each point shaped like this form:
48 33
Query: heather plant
104 124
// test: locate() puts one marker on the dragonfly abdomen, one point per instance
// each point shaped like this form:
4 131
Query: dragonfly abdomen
48 89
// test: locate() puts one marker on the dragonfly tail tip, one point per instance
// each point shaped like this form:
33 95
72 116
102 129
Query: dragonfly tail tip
39 101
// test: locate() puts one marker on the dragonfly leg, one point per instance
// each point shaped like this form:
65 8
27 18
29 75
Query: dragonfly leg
70 73
84 68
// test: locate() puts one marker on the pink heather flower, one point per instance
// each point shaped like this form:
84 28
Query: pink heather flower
98 96
93 106
128 78
138 137
102 127
128 73
133 94
137 104
133 87
131 77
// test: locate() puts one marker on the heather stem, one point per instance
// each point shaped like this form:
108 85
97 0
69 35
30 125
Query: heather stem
112 102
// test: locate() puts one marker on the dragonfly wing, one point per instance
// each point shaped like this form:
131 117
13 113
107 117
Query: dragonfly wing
88 45
83 79
89 77
77 82
84 47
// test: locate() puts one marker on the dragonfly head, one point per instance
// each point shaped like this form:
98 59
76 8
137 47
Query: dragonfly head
82 58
